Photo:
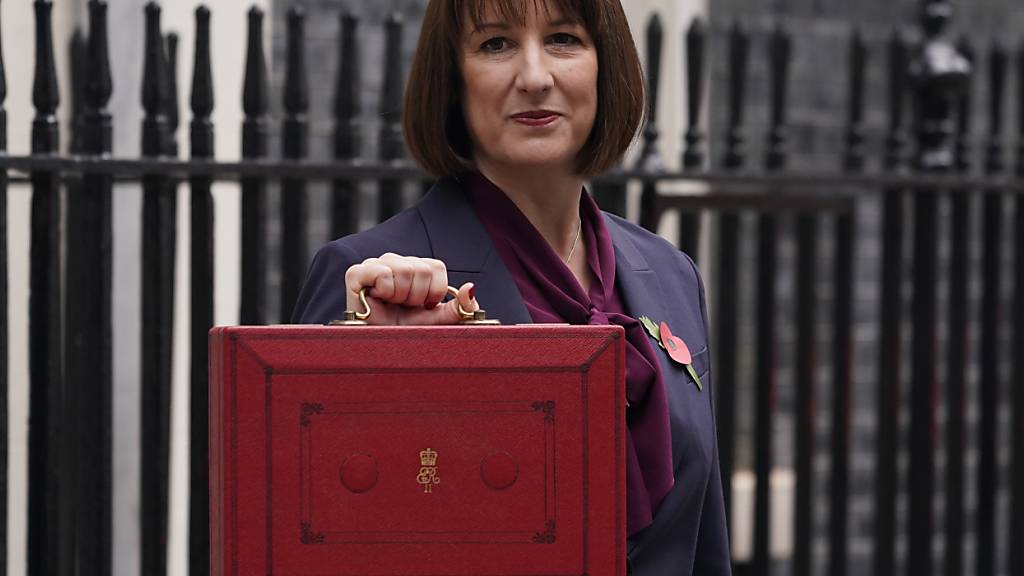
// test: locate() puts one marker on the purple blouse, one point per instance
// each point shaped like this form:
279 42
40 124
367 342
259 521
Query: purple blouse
553 295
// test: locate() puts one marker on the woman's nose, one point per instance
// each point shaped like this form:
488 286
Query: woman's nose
535 74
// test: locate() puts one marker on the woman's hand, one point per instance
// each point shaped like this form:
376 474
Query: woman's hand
404 290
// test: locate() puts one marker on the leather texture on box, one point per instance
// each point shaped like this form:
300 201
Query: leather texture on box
400 451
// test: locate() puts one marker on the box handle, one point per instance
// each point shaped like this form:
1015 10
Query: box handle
353 318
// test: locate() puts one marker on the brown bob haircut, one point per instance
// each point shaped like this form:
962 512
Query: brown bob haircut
433 121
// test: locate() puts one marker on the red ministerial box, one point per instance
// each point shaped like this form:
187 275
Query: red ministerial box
457 451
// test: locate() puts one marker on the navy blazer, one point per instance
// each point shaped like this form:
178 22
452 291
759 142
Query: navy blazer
655 279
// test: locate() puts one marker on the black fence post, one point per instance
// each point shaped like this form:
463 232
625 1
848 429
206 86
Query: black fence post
956 367
391 146
158 258
171 104
650 160
727 302
694 154
255 136
50 540
89 329
1017 483
991 320
889 381
4 427
779 52
938 73
347 132
295 137
842 320
202 213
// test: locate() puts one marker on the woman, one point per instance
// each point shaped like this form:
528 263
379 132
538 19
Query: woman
512 104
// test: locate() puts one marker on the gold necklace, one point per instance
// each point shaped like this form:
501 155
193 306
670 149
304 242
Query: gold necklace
579 226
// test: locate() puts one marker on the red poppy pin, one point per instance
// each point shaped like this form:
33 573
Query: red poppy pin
674 345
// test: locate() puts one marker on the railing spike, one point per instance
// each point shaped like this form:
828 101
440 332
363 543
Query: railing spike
347 133
98 84
963 120
154 87
899 61
854 158
296 95
739 53
780 51
255 94
391 96
650 158
346 95
201 100
202 76
45 93
1020 127
998 63
153 80
696 50
391 147
172 105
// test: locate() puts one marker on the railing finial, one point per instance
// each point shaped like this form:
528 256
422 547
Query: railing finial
154 86
963 125
650 158
296 92
171 103
255 99
999 62
780 50
696 49
739 53
899 62
391 97
346 94
45 93
98 84
854 156
201 100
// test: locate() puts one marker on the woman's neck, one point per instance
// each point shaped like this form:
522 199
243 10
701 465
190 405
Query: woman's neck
550 200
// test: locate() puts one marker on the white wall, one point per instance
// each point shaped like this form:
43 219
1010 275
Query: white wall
126 51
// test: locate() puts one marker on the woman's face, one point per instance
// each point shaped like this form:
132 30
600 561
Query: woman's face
530 90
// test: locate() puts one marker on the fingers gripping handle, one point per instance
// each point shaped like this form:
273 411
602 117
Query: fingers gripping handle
353 318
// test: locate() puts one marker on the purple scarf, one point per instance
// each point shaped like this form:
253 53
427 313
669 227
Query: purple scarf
553 295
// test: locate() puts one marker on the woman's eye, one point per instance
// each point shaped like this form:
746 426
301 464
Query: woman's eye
494 45
565 39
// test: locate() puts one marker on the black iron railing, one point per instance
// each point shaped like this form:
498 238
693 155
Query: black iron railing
71 350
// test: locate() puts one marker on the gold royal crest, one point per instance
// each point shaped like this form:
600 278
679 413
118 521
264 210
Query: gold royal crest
428 470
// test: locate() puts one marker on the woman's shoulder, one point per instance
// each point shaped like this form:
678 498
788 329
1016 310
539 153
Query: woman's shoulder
660 254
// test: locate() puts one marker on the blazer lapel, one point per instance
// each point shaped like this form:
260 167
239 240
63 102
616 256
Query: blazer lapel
458 239
642 294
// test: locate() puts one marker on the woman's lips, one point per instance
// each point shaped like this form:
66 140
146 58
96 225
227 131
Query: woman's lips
535 118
